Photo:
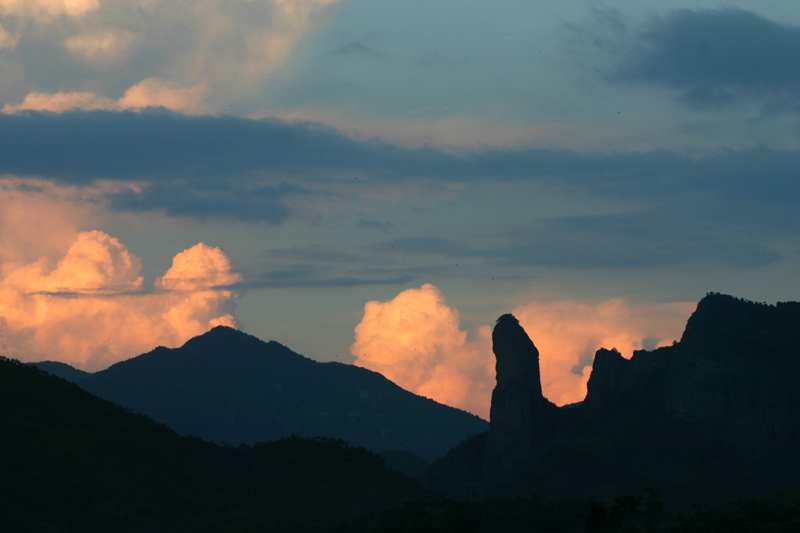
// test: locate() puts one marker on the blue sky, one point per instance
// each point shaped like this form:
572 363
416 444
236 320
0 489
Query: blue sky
510 154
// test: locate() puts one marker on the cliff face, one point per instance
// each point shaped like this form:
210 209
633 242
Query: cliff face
518 412
711 417
737 366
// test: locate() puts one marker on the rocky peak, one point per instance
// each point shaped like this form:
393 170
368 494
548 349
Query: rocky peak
734 326
517 356
606 379
736 366
518 407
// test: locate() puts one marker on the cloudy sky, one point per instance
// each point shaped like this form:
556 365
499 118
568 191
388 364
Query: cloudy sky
377 181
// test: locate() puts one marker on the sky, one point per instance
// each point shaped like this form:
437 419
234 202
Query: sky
375 182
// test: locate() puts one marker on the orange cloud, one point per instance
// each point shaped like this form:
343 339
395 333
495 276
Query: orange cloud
152 92
48 9
155 92
568 333
415 340
89 309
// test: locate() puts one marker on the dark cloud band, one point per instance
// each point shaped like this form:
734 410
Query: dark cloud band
712 56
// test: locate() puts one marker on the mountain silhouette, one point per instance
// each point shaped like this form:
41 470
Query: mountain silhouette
72 462
712 417
229 387
62 370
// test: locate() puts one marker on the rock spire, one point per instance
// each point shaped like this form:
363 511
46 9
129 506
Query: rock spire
518 407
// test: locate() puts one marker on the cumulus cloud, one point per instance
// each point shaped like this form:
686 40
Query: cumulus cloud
90 308
152 92
415 340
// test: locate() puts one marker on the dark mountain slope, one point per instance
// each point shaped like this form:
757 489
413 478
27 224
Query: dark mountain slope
73 462
229 387
62 370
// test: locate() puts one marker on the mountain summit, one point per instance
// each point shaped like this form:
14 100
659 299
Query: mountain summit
226 386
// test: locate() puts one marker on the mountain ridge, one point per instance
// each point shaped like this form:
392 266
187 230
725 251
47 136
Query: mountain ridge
226 386
713 416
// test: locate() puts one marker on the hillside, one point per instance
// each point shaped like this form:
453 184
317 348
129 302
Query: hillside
73 462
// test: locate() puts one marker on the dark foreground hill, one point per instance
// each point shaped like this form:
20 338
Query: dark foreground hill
712 417
229 387
72 462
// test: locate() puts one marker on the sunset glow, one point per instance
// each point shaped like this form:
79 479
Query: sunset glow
416 341
90 308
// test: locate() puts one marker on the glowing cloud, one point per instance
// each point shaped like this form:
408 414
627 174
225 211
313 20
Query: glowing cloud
415 340
47 9
192 281
89 309
151 92
154 92
568 333
58 102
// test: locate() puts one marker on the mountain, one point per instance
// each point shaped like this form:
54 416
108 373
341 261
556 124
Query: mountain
712 417
62 370
72 462
229 387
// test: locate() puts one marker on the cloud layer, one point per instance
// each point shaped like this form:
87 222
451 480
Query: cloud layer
416 341
90 308
733 208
